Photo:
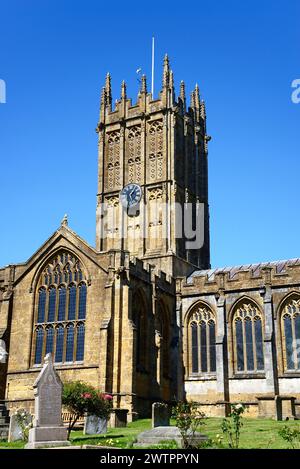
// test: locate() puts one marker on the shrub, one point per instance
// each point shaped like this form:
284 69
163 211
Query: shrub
231 426
81 398
291 436
188 420
24 420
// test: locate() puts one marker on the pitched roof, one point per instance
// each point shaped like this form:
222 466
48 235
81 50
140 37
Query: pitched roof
280 267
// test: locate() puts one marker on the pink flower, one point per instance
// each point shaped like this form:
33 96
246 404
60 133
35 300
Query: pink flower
86 395
107 397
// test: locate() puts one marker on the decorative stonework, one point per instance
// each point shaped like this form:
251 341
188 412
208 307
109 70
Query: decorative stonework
155 134
134 155
113 160
48 429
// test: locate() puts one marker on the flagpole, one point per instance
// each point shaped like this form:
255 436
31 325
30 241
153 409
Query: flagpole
152 81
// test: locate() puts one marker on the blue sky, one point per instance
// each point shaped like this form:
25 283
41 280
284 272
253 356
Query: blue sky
244 56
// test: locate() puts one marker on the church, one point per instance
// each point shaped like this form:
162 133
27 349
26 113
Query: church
141 315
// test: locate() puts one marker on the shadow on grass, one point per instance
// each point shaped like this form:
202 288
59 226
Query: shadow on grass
84 438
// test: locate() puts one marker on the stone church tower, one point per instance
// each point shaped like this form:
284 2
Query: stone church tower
161 146
142 315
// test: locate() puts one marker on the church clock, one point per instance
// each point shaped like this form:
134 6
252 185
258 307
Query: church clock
130 195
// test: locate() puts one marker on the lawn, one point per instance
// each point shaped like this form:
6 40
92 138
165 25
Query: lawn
256 433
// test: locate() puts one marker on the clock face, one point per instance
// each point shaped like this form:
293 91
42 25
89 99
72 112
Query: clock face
130 195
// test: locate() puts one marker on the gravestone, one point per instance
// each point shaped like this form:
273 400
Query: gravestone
118 418
160 415
48 429
15 432
158 434
94 425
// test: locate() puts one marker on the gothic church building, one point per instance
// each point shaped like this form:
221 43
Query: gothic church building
140 315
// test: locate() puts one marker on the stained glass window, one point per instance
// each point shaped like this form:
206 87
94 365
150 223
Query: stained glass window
72 302
39 341
62 303
70 343
60 333
42 305
82 301
202 342
80 343
248 339
49 340
52 304
64 307
290 329
195 365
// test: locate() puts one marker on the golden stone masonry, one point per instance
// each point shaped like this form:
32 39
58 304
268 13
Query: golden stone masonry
140 315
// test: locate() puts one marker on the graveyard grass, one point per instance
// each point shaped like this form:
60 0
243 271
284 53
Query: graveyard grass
261 434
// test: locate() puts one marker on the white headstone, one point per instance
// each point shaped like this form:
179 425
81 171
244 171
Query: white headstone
15 430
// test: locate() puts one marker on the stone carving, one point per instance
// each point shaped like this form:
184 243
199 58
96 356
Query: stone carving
134 154
113 160
64 221
48 429
156 150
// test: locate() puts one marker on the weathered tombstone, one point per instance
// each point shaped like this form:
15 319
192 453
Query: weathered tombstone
15 431
94 425
118 418
160 415
48 429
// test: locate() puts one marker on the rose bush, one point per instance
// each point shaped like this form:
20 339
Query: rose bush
80 398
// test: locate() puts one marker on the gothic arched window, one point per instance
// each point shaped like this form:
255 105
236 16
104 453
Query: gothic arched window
290 329
202 340
141 336
60 311
163 337
248 338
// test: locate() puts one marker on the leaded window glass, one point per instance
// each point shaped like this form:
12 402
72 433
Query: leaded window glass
42 305
80 342
62 303
49 340
290 327
72 302
61 311
60 334
39 345
70 343
82 301
52 304
202 341
248 339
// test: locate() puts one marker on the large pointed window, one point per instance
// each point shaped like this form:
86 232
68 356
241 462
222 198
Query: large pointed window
141 337
202 341
248 339
290 330
60 311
